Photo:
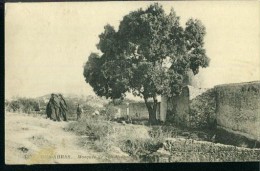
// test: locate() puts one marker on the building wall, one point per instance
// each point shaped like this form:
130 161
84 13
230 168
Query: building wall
238 108
163 109
178 107
181 105
138 108
233 107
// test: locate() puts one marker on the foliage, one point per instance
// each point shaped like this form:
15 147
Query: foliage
72 104
105 133
109 112
26 105
38 105
140 147
202 110
150 54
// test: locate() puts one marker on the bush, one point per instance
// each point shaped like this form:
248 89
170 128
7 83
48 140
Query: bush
140 147
163 132
106 134
109 112
96 127
202 110
25 105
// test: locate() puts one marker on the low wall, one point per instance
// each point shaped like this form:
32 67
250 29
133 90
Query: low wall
188 150
138 108
238 108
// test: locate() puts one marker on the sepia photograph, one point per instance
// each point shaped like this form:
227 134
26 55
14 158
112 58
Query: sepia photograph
132 82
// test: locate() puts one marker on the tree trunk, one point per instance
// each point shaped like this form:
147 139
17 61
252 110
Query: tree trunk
152 111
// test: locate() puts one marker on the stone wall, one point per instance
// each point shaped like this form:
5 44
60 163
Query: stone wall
188 150
238 108
232 107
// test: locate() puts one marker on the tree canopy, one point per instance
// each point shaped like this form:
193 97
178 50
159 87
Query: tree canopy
149 55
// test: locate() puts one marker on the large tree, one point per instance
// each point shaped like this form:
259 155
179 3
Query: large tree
149 55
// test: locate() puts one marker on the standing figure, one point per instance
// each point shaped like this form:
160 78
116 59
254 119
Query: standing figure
128 117
49 109
56 108
79 111
56 105
63 107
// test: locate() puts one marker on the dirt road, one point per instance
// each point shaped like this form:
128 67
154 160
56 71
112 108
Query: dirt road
37 140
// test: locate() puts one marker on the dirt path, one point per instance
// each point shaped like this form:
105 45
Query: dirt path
36 140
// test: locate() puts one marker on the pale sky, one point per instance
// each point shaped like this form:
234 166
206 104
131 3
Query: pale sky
47 44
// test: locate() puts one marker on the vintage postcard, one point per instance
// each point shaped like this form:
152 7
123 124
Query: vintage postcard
132 82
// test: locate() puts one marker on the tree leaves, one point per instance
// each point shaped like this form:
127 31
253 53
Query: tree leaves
133 58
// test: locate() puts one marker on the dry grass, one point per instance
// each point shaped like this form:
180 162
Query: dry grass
106 134
140 141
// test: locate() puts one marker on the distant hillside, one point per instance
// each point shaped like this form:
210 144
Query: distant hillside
93 101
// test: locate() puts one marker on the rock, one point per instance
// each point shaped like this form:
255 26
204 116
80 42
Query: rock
194 136
134 122
117 152
185 134
162 151
23 149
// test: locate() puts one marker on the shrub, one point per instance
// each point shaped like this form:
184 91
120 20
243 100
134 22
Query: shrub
106 134
139 147
25 105
110 112
163 132
202 110
96 127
